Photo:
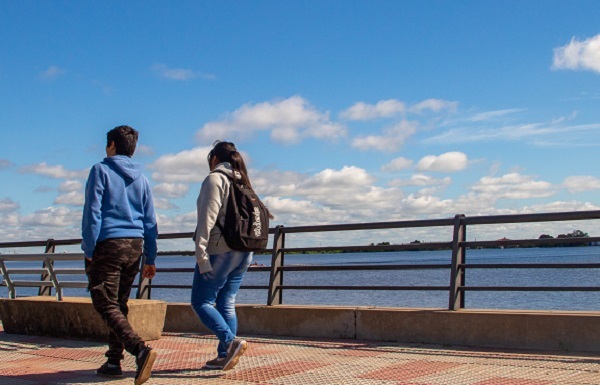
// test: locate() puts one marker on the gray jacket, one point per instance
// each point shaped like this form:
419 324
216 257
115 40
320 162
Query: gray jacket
210 208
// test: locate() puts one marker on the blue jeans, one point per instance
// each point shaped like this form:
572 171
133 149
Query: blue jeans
213 295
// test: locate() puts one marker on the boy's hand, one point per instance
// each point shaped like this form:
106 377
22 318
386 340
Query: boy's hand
149 271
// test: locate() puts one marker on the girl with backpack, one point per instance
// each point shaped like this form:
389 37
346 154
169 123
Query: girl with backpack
219 269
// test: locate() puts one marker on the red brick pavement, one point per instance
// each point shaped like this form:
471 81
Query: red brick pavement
27 360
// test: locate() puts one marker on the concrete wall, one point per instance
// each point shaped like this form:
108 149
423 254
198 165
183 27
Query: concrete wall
544 330
75 317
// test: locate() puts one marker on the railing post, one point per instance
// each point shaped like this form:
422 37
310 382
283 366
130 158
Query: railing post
276 278
12 294
145 284
50 248
50 267
457 273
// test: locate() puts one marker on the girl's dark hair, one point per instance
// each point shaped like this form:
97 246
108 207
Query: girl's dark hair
226 152
125 139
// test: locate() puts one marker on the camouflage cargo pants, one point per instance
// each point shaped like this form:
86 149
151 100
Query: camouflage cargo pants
111 274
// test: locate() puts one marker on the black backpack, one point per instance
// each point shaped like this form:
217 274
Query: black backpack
246 219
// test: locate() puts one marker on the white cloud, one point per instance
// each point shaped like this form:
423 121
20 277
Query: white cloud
180 74
513 186
421 180
52 73
580 183
578 55
171 190
397 164
53 217
391 139
70 185
488 115
289 121
434 105
57 172
7 205
187 166
179 223
383 109
530 131
73 198
164 204
448 162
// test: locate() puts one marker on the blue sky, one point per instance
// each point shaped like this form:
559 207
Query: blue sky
355 111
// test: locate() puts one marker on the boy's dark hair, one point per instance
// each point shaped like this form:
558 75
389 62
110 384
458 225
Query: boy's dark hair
125 139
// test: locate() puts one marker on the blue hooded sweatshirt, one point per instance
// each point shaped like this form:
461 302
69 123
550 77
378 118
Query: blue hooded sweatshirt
118 204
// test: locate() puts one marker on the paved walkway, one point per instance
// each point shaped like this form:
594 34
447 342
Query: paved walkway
26 360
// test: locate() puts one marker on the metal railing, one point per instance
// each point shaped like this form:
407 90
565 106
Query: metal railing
458 245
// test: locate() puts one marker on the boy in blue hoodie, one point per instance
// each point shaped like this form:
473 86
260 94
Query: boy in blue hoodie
118 226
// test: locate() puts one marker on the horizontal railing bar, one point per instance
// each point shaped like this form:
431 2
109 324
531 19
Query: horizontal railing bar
33 283
363 267
176 253
529 242
26 271
295 287
73 284
191 269
261 287
42 256
368 226
69 271
531 265
525 218
529 288
402 247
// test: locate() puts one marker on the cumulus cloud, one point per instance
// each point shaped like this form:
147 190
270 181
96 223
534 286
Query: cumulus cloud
581 183
382 109
171 190
57 172
392 138
180 74
397 164
578 55
53 217
70 185
434 105
448 162
164 204
513 186
188 166
421 180
288 120
7 205
52 72
72 198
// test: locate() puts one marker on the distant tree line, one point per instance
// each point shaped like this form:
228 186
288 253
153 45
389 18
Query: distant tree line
574 234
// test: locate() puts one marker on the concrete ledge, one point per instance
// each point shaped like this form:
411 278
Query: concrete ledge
541 330
75 317
293 321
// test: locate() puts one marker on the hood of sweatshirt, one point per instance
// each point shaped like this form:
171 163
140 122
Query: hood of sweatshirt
226 167
123 166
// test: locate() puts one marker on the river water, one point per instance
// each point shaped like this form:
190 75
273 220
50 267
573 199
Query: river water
422 299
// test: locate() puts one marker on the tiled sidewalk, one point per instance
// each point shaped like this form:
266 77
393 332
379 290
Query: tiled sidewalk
26 360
